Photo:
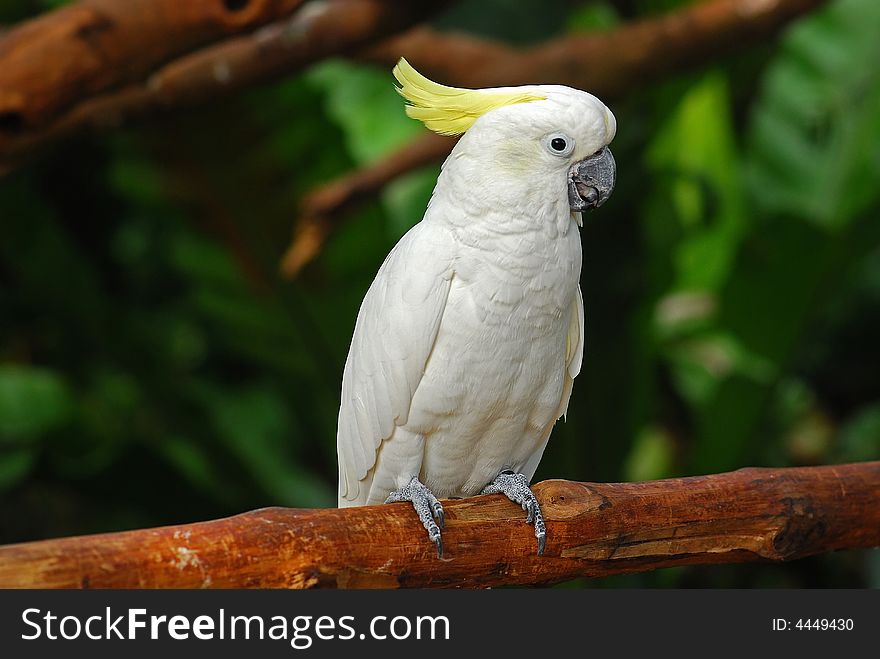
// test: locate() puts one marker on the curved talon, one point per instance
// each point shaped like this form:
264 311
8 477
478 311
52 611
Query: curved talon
427 508
440 515
436 538
515 486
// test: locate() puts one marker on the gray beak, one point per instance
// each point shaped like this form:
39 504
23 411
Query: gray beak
591 180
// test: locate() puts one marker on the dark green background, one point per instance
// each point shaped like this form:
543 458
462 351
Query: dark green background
155 369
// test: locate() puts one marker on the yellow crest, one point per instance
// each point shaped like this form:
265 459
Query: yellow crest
451 110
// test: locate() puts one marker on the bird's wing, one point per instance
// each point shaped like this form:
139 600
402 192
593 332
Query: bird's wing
393 338
574 355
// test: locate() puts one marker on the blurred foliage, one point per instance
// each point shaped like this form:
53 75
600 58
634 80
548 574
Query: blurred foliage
154 369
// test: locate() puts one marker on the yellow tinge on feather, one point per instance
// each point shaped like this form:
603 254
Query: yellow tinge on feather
451 110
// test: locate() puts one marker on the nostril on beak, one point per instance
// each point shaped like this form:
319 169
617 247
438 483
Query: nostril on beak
588 193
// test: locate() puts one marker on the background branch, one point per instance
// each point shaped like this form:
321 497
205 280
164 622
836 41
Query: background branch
49 63
608 64
594 529
28 121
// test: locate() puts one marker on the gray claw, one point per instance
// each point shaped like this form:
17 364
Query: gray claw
440 515
427 508
516 488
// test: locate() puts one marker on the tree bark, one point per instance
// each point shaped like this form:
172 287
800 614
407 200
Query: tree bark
38 110
97 63
608 63
594 529
89 46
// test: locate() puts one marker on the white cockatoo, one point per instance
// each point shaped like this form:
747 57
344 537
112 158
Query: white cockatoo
469 339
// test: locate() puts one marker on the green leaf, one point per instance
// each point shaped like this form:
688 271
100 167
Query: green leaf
814 134
695 160
32 402
363 101
109 406
593 16
195 465
256 426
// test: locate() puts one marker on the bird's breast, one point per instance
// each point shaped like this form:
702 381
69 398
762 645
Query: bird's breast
521 281
494 381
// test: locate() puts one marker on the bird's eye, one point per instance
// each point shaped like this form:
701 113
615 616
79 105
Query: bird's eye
559 144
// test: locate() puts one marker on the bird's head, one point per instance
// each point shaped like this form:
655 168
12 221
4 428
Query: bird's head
521 143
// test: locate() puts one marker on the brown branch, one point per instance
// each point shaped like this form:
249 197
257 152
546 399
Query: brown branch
609 64
318 30
593 530
49 63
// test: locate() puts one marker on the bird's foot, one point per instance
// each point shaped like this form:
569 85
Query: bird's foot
516 488
427 507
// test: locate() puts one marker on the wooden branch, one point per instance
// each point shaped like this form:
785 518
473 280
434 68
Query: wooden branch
49 63
608 64
593 530
318 30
